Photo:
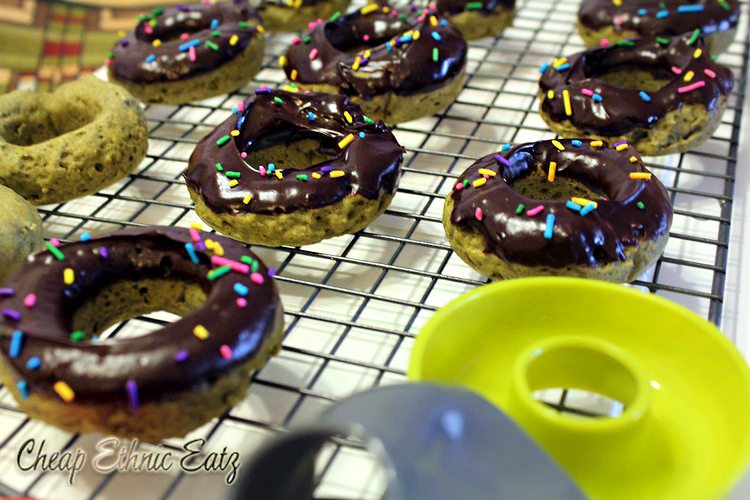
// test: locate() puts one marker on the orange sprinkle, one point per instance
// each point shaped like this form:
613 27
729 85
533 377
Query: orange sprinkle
552 171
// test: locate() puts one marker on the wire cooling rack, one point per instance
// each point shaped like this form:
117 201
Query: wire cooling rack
354 303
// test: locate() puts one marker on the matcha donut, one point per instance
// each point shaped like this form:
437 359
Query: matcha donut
189 52
478 19
70 143
294 15
662 95
20 231
294 169
559 208
397 67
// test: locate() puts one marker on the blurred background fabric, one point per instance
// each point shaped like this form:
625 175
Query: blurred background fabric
44 43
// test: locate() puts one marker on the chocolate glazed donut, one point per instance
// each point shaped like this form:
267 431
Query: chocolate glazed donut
561 207
184 53
294 15
293 169
478 19
155 386
660 94
602 22
397 67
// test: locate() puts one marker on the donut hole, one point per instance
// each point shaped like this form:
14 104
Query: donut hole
40 119
647 78
353 37
535 185
294 148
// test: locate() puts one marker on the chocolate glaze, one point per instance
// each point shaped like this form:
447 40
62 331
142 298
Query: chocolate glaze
453 7
622 109
406 69
97 371
129 62
371 164
588 240
649 18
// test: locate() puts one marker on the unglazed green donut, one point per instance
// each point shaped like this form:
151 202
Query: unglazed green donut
20 231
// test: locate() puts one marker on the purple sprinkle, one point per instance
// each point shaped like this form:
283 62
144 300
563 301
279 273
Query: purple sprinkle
271 272
201 246
265 90
132 389
7 292
12 314
326 169
104 252
364 61
124 42
618 143
181 7
181 356
502 160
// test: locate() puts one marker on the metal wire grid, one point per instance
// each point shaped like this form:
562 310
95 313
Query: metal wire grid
354 304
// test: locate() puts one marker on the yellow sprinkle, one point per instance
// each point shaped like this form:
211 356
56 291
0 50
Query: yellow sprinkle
247 199
416 35
218 249
689 76
260 29
200 332
617 3
558 144
633 159
234 133
640 175
121 33
487 171
583 201
622 147
367 53
156 43
289 88
552 171
433 21
566 101
233 183
282 61
197 225
316 175
69 276
210 244
293 75
596 144
279 175
64 391
345 141
697 53
550 94
559 62
233 41
355 66
386 10
479 182
337 173
367 9
348 117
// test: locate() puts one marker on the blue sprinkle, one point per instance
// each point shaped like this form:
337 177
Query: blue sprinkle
406 38
85 237
543 67
563 67
576 143
241 289
597 97
33 363
191 252
262 90
16 342
214 24
443 22
151 58
23 389
362 135
662 14
573 206
550 226
642 12
652 118
644 96
186 46
311 116
436 36
505 147
389 46
271 167
588 208
684 9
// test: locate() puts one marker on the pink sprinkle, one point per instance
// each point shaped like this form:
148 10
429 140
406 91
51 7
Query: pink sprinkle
194 234
108 62
226 352
587 92
618 20
676 70
311 25
532 212
459 186
256 278
604 42
241 106
366 38
193 56
243 155
262 170
313 54
296 40
184 37
237 267
478 214
433 5
55 242
29 301
694 86
241 302
710 73
148 29
206 2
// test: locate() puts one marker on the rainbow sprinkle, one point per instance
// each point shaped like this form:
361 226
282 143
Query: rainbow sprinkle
549 226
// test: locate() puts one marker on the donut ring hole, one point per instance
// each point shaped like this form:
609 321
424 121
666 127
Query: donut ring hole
535 185
40 118
350 37
291 147
635 76
171 27
176 286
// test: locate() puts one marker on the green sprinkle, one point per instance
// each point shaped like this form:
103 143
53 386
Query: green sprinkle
474 6
254 266
714 57
243 24
278 100
217 273
466 183
520 208
216 33
335 16
110 54
302 177
219 167
211 45
246 259
306 39
55 251
435 54
724 5
157 11
662 40
232 175
403 18
640 205
369 120
626 43
694 36
77 336
223 140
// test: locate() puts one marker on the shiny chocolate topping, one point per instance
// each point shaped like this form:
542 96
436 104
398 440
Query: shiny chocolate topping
377 50
453 7
41 306
182 41
562 233
365 157
602 108
660 18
